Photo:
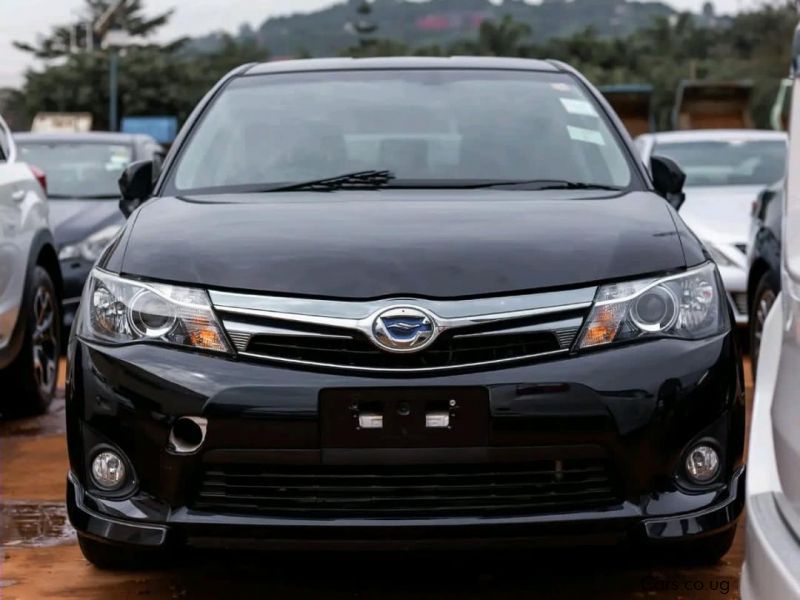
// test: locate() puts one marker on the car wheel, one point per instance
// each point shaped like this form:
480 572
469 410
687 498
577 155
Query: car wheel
120 558
706 551
765 295
30 381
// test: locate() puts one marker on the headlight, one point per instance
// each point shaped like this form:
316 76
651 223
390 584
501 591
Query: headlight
718 256
688 306
92 246
123 311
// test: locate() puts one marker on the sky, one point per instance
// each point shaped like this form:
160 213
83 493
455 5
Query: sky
24 19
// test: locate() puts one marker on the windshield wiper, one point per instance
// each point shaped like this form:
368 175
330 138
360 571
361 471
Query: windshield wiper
366 180
550 184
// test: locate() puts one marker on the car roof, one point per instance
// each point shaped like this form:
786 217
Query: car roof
401 62
723 135
98 137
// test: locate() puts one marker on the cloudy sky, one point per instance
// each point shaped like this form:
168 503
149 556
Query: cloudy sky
24 19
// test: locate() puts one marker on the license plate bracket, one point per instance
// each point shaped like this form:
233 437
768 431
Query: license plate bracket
404 417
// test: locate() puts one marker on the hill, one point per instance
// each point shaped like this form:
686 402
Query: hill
327 32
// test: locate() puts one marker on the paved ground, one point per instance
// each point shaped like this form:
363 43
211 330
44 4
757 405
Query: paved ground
41 560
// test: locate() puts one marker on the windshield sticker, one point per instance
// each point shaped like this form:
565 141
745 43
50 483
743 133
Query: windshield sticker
578 107
590 136
119 159
561 87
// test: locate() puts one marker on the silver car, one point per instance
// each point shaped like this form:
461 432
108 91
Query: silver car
726 170
30 287
772 560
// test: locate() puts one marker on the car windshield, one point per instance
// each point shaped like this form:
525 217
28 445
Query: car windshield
78 169
428 128
733 162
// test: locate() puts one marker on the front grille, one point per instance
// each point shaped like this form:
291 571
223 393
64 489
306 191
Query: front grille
313 333
408 491
740 302
447 351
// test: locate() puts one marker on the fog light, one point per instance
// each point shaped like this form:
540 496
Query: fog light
108 470
702 464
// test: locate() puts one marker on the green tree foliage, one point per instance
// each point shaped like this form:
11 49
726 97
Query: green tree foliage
131 20
505 37
153 79
671 50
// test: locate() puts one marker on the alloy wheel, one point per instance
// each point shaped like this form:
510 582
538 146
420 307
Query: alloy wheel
763 306
45 341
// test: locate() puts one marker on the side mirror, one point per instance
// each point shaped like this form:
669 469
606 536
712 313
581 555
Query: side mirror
668 179
136 185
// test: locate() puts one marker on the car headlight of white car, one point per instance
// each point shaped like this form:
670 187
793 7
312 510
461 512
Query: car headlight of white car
689 305
91 247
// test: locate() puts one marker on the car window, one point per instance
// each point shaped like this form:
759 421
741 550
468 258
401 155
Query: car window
79 169
423 125
735 162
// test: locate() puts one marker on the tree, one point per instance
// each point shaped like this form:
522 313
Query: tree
153 79
59 42
496 38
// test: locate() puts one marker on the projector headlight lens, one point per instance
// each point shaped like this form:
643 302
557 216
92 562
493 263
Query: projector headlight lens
120 310
688 306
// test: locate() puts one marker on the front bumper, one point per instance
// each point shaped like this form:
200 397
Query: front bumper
641 406
95 518
772 567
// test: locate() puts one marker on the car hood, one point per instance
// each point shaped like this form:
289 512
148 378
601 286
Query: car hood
720 214
401 243
74 220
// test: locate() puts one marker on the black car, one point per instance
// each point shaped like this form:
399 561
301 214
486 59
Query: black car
403 303
82 170
764 256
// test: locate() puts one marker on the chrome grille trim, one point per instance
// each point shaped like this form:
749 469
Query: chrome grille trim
466 366
246 316
241 333
283 307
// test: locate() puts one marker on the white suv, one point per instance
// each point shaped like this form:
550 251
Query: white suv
30 288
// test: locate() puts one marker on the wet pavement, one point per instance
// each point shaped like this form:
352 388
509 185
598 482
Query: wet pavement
40 557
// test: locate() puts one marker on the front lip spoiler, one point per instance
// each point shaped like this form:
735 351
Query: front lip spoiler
108 529
672 528
710 520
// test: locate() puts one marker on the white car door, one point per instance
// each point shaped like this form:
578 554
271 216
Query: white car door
23 213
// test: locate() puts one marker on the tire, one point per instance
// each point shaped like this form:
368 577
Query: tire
763 299
29 382
703 552
120 558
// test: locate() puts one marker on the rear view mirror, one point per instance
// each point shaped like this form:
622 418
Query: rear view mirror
668 179
136 185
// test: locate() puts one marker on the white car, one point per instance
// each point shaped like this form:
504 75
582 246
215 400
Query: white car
30 288
772 560
725 170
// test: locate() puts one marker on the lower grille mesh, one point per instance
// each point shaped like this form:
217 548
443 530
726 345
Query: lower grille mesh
408 491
